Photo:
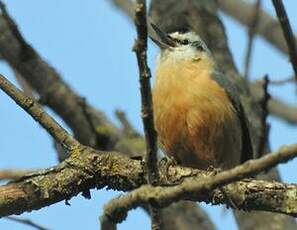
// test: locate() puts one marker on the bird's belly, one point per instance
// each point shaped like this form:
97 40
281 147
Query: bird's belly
196 131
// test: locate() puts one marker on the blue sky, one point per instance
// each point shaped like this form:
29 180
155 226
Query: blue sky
89 43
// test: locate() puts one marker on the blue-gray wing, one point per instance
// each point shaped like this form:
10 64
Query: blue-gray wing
247 148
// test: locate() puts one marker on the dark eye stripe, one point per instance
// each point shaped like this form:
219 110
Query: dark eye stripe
182 42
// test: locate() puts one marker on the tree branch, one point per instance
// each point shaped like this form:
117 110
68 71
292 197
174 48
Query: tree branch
161 197
140 48
95 169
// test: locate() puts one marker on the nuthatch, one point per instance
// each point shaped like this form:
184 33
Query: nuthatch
198 115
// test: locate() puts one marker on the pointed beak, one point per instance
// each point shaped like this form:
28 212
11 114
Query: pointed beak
160 38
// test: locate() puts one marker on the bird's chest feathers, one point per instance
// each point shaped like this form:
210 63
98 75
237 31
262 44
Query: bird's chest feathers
183 86
188 105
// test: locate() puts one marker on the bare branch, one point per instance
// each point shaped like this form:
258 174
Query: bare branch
161 197
287 31
140 48
147 115
26 222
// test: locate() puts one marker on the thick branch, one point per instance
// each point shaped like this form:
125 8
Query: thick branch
93 169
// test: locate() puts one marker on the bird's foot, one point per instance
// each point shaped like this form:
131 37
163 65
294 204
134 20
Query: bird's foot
169 161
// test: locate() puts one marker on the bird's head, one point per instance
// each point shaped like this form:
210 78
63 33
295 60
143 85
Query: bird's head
178 44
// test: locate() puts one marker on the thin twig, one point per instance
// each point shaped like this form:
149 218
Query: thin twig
26 222
161 197
251 35
147 115
287 31
38 114
140 48
264 126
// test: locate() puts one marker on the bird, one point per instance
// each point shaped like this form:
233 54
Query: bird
198 115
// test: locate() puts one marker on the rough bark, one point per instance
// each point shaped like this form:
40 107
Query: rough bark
90 168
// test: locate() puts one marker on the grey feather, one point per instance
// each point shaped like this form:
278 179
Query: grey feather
224 82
